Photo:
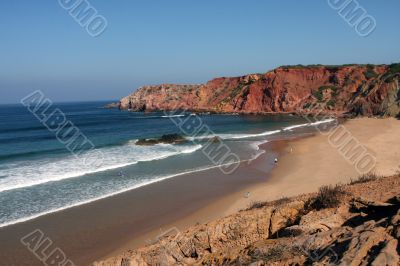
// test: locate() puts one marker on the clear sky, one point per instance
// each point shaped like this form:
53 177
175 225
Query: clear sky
177 41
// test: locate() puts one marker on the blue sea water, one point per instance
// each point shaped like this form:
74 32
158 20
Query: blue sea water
39 175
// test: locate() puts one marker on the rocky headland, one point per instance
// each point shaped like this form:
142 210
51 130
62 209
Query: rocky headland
353 89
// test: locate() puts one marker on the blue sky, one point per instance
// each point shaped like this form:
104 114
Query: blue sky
151 42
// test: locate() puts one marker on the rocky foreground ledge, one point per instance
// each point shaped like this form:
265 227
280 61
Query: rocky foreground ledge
354 224
370 90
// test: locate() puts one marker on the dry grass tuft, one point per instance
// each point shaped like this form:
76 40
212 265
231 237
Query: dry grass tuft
372 176
262 204
327 197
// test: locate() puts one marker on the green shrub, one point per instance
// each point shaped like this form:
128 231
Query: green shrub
347 81
394 68
331 103
318 95
370 73
392 71
237 90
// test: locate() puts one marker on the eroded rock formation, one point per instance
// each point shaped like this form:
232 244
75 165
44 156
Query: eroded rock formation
358 89
364 229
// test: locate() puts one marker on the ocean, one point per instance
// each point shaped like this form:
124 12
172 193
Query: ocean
39 175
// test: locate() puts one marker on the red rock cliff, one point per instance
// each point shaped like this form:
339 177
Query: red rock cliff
359 89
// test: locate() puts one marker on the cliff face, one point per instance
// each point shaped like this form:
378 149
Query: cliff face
359 89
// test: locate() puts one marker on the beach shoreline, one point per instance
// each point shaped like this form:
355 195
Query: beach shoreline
300 161
101 228
111 226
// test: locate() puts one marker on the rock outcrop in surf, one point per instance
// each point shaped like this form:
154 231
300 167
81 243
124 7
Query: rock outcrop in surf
164 139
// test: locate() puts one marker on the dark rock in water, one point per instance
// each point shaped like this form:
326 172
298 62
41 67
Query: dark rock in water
215 139
147 142
171 138
112 105
166 139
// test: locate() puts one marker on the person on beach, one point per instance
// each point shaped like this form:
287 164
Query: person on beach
276 160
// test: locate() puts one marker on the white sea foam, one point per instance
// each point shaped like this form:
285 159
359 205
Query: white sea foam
28 173
157 116
246 136
258 152
170 116
25 175
237 136
309 124
262 134
254 144
107 195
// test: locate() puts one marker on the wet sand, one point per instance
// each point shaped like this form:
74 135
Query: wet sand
101 228
107 227
304 165
313 162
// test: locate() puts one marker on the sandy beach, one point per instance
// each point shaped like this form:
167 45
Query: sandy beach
199 133
110 226
314 162
304 165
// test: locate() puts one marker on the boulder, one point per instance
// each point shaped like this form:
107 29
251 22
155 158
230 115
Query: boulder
285 216
388 255
166 139
215 139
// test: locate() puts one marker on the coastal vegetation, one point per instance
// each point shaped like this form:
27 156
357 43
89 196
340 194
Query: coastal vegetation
364 178
370 73
327 197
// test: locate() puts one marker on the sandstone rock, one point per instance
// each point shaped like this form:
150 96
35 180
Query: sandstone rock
364 239
388 255
396 218
395 222
363 202
323 220
295 89
111 105
285 216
